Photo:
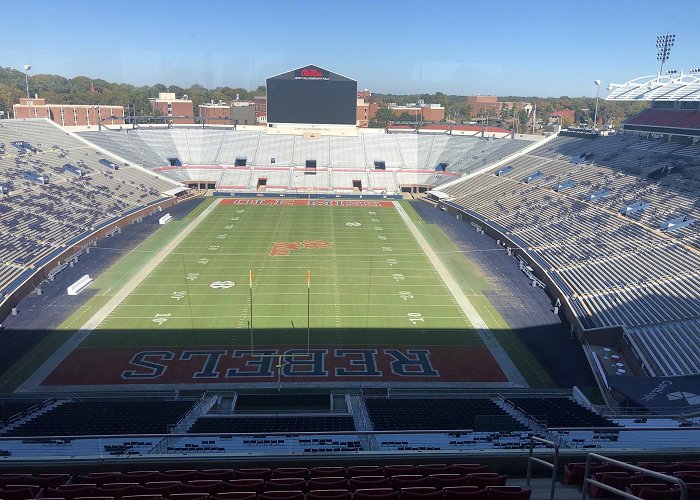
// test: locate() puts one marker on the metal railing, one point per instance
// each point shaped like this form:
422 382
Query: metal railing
554 465
656 475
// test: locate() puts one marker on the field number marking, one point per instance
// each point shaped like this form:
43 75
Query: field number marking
405 295
386 249
177 295
353 224
204 262
221 285
192 276
415 318
392 262
161 318
398 277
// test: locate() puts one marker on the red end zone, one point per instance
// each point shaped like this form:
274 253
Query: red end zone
309 203
224 364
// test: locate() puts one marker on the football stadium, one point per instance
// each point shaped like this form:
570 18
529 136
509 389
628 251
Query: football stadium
311 309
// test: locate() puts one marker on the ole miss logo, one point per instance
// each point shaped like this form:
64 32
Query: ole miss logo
311 74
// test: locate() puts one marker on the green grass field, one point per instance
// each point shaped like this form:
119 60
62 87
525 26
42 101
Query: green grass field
366 272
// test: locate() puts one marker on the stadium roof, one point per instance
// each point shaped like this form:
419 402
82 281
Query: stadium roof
657 88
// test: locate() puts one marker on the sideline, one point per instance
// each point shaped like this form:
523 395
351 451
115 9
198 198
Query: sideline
33 381
499 354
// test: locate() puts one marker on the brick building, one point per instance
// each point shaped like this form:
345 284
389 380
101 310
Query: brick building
260 102
181 111
69 115
484 104
366 109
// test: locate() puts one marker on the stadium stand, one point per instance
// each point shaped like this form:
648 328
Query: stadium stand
407 158
614 270
439 414
76 418
269 424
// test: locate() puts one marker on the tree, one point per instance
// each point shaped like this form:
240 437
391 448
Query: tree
384 116
8 96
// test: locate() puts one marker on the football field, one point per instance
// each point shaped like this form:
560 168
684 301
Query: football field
309 291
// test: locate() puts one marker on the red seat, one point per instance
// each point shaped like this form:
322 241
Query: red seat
369 482
189 496
327 483
142 476
688 466
208 486
376 494
152 496
574 471
34 489
6 479
70 491
286 484
508 493
256 485
222 474
300 472
618 480
658 494
429 469
281 495
484 479
100 478
163 488
329 495
440 481
53 480
409 481
237 495
688 476
460 492
400 470
255 473
365 470
465 469
421 493
664 467
116 490
178 475
328 472
94 498
23 493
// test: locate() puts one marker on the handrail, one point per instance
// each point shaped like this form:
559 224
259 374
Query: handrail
554 465
656 475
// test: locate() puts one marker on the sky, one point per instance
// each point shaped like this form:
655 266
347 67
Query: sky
508 47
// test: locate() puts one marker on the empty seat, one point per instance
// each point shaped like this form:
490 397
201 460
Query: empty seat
329 495
286 484
440 481
421 493
301 472
465 469
365 470
460 492
328 483
281 495
256 485
376 494
369 482
237 495
208 486
327 472
222 474
409 481
398 469
255 473
428 469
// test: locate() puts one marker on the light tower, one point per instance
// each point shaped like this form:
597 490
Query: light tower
663 46
597 95
27 67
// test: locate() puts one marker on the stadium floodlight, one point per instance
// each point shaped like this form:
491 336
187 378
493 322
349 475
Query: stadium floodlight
597 95
27 67
694 71
663 49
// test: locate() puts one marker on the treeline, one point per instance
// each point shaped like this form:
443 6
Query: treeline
457 109
83 90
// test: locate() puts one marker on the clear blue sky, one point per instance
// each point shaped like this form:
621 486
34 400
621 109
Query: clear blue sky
507 47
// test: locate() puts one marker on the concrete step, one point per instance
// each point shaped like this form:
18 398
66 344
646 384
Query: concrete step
541 488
